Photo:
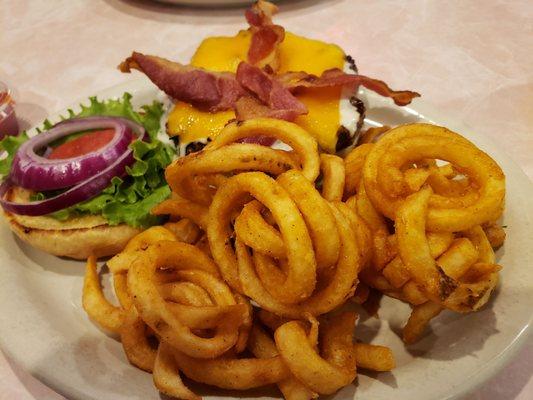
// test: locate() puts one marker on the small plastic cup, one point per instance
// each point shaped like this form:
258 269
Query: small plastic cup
8 120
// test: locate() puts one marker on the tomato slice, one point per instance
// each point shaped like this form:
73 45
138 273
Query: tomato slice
82 145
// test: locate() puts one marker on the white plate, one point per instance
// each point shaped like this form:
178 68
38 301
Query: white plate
44 328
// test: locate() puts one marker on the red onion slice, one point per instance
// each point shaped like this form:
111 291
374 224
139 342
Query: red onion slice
81 192
34 172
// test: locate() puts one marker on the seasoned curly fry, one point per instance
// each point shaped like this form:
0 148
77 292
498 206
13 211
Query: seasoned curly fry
94 302
256 241
386 187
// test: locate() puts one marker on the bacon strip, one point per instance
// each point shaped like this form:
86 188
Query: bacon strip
279 101
261 13
266 36
255 90
337 77
214 91
265 41
249 107
261 94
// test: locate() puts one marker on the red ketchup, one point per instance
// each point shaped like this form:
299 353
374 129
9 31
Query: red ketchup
8 119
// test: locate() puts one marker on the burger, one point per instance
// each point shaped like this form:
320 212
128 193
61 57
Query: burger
86 185
264 71
89 188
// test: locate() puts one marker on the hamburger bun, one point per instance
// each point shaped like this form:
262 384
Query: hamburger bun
76 238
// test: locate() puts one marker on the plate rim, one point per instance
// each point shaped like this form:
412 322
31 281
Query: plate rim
421 107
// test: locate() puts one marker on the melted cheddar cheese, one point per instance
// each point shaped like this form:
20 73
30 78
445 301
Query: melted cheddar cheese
191 124
222 53
296 54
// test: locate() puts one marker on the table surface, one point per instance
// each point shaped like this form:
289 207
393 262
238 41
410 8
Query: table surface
471 59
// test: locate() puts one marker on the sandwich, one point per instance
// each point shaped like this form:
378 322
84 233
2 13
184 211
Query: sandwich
263 71
86 185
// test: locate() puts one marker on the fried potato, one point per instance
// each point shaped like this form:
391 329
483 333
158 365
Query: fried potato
166 375
120 285
181 208
385 183
136 246
186 263
134 338
495 234
262 346
185 230
374 358
372 135
223 155
323 373
317 216
354 162
252 229
414 250
340 287
361 294
94 302
246 326
333 177
419 319
271 320
233 373
303 144
301 278
253 243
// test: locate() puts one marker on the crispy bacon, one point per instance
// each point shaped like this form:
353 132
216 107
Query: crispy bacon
249 107
261 13
400 97
280 102
255 90
331 77
262 94
336 77
266 36
214 91
263 46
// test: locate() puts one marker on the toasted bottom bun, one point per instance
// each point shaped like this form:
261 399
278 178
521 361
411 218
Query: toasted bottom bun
76 238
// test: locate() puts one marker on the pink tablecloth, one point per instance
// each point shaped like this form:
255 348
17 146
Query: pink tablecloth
472 59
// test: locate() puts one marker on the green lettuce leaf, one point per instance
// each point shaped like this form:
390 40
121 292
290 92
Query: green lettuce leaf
10 145
128 199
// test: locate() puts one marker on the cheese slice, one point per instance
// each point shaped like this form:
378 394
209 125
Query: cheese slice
222 53
192 124
296 54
